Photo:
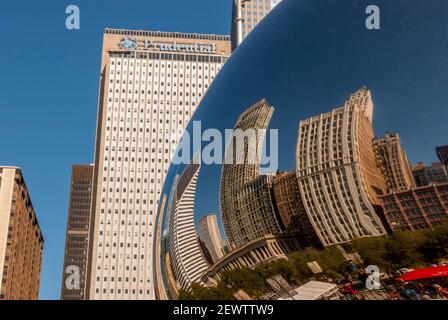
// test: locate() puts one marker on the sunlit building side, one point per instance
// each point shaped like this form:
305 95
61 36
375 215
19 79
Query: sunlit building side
339 179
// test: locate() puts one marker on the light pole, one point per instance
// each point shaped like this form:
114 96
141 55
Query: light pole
239 20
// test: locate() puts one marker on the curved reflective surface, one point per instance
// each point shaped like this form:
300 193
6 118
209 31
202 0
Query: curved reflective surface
305 59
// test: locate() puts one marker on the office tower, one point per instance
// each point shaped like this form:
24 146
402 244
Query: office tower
289 205
77 237
187 260
338 176
246 14
436 173
21 241
417 208
442 154
393 162
211 236
240 175
151 83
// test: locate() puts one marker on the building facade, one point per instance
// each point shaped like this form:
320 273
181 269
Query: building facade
240 176
77 235
21 240
436 173
340 182
394 163
442 154
151 84
209 233
252 12
289 205
417 208
187 260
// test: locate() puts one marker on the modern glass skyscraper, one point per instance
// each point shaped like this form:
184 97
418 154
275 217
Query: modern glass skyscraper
151 84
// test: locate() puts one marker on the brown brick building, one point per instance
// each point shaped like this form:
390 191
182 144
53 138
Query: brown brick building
417 208
21 241
77 238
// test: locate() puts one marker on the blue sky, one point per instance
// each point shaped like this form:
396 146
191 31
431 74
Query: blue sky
49 80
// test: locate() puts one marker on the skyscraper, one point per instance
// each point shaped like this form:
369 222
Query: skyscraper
393 162
246 14
187 260
209 233
151 83
241 181
21 241
338 176
77 237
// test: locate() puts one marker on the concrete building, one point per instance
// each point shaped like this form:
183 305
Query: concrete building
187 261
251 13
394 163
417 208
77 236
209 233
241 181
151 84
21 241
340 182
423 175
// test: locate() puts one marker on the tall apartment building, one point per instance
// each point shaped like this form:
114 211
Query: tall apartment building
339 179
21 241
393 162
417 208
238 178
209 233
252 12
436 173
77 236
151 84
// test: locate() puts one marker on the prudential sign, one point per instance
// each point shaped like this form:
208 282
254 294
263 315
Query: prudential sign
148 44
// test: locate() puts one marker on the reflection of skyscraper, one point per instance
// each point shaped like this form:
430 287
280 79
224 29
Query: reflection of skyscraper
77 238
393 162
338 177
211 236
151 84
241 168
289 205
254 205
252 12
187 260
21 241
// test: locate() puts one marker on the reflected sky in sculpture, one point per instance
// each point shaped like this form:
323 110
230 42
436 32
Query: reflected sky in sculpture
307 57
